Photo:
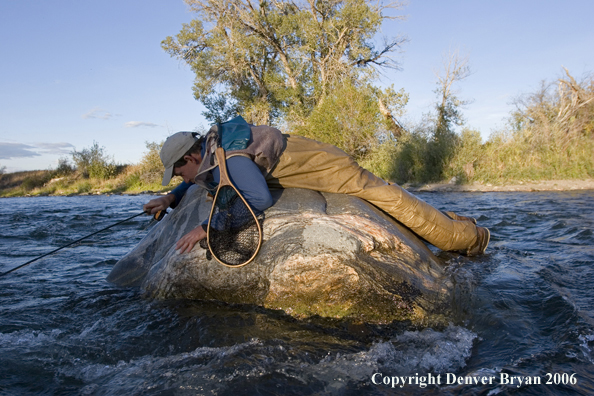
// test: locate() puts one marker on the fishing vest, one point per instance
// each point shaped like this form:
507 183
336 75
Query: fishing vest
264 147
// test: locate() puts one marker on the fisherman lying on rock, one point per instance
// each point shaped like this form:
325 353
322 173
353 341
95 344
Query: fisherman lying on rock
261 157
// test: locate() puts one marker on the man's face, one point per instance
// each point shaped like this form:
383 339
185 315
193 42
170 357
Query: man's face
190 169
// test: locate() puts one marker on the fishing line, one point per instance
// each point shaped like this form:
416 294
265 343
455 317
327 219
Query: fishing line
158 216
107 239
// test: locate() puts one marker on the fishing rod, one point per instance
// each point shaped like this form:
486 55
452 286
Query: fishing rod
158 216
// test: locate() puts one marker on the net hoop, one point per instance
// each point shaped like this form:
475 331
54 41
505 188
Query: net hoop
225 181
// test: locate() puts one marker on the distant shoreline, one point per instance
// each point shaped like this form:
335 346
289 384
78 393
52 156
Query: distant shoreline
533 186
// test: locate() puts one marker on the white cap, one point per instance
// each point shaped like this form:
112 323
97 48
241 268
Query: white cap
173 150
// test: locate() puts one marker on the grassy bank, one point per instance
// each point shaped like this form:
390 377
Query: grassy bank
39 183
93 173
506 158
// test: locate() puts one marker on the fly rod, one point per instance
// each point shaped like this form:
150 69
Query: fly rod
158 216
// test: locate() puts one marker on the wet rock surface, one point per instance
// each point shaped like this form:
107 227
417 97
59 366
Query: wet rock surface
323 254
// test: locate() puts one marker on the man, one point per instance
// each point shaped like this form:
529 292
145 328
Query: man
273 160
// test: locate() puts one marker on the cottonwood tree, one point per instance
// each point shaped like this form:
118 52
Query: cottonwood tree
277 61
350 118
455 68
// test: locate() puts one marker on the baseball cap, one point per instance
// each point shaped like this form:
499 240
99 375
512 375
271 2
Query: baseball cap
173 150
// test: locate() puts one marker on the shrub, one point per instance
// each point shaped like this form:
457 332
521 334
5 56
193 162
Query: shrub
467 155
64 168
83 187
148 173
381 162
94 163
351 118
34 181
150 166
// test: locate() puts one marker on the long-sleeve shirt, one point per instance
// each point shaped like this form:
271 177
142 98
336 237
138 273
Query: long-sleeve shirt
245 176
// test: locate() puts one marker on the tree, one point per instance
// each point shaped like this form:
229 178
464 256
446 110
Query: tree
64 168
425 151
455 68
350 118
443 144
276 61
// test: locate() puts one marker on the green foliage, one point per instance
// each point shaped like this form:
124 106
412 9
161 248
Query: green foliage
64 168
219 108
425 152
556 115
94 163
444 142
83 187
549 136
350 118
381 161
149 171
35 181
468 153
410 157
439 152
144 176
276 61
147 174
151 160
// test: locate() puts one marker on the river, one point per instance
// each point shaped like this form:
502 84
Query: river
522 312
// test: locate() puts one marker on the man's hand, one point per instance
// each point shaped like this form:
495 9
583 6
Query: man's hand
157 204
187 242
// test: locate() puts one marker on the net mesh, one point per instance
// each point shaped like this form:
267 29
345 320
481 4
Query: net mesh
234 235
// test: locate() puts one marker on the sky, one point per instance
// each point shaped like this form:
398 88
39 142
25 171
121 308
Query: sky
76 72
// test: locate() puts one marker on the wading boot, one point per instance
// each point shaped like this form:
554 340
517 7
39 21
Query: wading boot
482 241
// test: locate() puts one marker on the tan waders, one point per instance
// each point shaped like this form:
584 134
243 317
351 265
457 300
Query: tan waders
309 164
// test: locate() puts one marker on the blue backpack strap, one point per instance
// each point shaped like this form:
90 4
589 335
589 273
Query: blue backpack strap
234 134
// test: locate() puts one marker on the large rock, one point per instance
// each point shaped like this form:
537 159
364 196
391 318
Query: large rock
323 254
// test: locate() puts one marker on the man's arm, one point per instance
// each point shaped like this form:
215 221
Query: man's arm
157 204
248 179
179 192
167 201
187 242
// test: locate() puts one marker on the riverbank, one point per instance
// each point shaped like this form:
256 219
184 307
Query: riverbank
40 183
543 185
48 183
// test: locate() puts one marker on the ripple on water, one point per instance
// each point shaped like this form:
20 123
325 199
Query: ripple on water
525 307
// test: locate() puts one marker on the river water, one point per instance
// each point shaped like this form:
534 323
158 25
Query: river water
524 311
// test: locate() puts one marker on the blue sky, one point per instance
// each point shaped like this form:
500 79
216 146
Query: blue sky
74 72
